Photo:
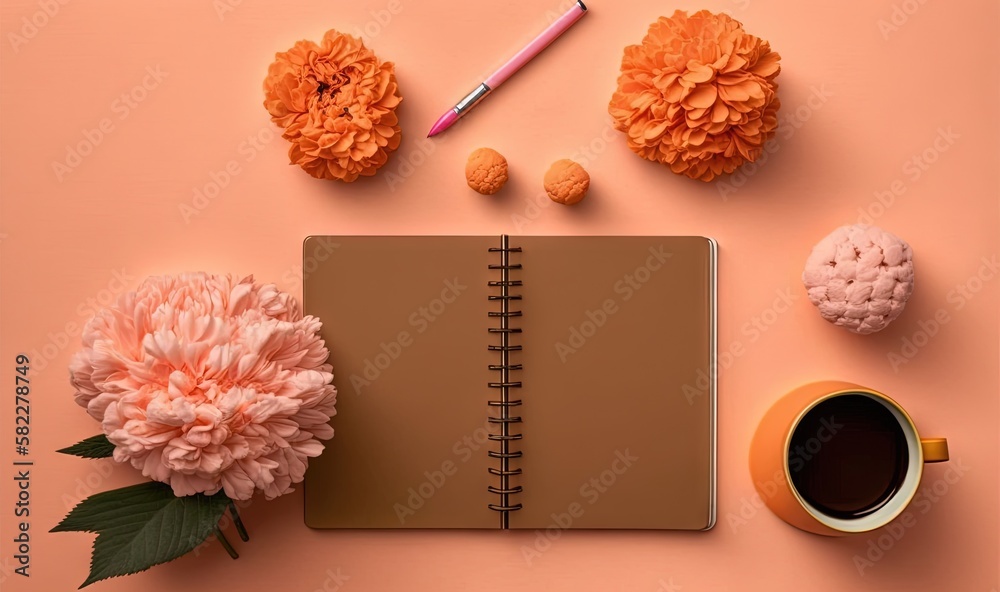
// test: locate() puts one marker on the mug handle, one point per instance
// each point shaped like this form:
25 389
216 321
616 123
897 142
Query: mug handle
935 449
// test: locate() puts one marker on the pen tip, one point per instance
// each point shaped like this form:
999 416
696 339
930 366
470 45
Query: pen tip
437 129
443 123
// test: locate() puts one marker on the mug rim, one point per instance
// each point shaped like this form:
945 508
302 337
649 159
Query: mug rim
914 471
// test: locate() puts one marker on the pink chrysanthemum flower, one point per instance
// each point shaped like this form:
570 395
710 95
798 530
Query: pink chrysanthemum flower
206 382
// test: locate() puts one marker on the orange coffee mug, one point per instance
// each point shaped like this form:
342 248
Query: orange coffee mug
837 458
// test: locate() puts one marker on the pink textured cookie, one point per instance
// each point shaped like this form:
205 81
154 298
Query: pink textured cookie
860 277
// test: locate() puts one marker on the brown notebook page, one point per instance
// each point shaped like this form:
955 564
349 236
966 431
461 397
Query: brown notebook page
610 438
409 449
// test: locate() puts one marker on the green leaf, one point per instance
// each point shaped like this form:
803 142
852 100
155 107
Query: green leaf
141 526
93 447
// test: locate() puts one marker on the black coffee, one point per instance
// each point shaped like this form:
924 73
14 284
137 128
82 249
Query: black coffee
848 456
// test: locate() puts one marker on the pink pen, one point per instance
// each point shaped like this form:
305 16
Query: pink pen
560 26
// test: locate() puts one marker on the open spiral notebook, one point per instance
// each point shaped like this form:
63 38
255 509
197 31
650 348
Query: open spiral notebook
516 381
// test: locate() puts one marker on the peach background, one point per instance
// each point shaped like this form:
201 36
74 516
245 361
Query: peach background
118 213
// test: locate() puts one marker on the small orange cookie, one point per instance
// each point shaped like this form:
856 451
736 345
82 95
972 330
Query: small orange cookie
486 171
566 182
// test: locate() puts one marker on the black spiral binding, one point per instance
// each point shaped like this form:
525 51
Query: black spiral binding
505 437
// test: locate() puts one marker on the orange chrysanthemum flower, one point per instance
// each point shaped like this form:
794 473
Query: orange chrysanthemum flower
698 94
337 104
